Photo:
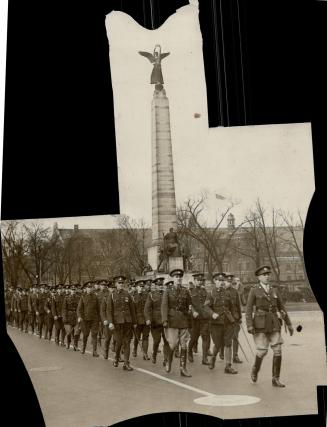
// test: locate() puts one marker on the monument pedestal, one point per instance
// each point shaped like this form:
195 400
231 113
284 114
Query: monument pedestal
153 256
165 267
175 262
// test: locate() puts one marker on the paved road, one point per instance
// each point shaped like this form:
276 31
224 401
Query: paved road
79 390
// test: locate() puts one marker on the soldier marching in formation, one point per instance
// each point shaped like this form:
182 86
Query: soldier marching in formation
175 315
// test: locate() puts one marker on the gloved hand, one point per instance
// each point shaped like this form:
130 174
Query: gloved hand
290 329
79 320
148 322
55 317
165 324
111 326
195 314
106 322
215 316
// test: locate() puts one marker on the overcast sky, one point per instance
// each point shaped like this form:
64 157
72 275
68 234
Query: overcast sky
270 162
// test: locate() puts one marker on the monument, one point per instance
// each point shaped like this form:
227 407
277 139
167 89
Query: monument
164 218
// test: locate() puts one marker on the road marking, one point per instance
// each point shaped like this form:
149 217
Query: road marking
209 399
227 400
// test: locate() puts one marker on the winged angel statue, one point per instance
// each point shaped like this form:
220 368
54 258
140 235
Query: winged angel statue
155 59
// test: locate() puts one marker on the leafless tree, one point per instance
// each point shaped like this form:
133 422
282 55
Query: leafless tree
133 241
215 242
294 235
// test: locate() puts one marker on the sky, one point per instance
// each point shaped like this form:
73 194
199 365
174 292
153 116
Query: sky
270 162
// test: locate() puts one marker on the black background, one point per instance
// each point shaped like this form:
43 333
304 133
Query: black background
59 141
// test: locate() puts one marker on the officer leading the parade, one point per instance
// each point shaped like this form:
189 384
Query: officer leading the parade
265 314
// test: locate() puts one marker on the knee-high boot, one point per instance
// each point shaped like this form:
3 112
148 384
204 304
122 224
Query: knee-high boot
183 370
277 361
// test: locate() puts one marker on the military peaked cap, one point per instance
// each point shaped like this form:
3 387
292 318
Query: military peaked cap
263 269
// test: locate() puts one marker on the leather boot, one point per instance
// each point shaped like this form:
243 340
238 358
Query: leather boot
236 359
228 356
154 356
195 348
205 360
277 361
127 367
134 354
116 361
75 347
229 369
183 370
84 347
95 354
106 352
212 362
190 355
256 368
170 354
68 342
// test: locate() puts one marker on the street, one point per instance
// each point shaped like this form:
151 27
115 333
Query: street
79 390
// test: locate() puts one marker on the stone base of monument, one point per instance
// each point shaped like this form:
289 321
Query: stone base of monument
153 256
175 262
153 260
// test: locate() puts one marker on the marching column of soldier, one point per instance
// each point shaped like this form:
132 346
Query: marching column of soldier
126 313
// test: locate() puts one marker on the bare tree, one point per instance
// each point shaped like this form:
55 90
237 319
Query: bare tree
251 244
133 242
294 235
215 242
14 253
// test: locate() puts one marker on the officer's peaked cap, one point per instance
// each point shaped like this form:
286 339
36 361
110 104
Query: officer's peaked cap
263 269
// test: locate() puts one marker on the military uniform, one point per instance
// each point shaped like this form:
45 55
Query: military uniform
120 313
237 314
175 306
31 309
265 313
49 320
56 310
218 302
13 308
152 314
39 311
22 308
142 329
200 321
69 317
108 333
101 294
88 310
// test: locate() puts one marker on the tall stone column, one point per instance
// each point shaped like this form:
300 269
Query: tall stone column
163 187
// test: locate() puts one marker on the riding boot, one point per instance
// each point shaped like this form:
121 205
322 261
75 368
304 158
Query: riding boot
195 348
228 368
68 341
84 346
256 368
190 354
94 343
277 361
170 354
106 350
183 370
145 346
134 354
127 367
75 343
